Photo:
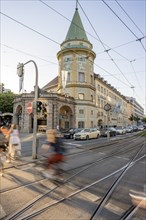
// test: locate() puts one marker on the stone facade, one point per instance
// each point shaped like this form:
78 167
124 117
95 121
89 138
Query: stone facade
77 96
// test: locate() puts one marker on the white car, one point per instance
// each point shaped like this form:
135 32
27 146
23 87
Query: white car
87 134
140 128
120 130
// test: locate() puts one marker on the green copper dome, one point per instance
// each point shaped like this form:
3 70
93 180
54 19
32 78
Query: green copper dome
76 30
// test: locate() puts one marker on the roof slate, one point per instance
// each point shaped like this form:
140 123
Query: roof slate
76 29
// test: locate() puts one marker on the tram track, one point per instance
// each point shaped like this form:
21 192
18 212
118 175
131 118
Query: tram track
84 166
45 207
50 191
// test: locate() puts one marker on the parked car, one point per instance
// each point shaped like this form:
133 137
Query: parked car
70 133
129 129
140 128
120 130
87 134
111 130
135 128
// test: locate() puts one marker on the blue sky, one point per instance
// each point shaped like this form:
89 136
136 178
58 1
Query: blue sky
123 68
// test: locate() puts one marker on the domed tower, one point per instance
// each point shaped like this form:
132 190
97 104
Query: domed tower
76 74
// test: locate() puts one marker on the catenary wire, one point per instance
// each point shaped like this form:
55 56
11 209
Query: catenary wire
52 40
88 32
106 50
129 17
20 51
137 39
93 36
57 43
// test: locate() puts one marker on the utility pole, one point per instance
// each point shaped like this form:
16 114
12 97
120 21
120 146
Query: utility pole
107 108
20 73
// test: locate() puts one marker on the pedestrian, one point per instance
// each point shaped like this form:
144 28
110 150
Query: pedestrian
6 133
3 146
14 143
57 153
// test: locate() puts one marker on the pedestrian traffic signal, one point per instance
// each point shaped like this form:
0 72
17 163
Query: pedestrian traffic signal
39 106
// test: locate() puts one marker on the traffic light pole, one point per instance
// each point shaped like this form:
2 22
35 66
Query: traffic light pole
107 108
34 142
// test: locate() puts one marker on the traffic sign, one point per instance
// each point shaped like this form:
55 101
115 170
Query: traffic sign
29 107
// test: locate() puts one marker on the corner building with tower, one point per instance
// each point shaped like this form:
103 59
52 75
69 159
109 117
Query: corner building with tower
77 96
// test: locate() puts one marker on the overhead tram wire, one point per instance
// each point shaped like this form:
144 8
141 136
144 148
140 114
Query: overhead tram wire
29 28
88 32
106 50
137 39
129 17
56 43
93 36
20 51
135 74
133 23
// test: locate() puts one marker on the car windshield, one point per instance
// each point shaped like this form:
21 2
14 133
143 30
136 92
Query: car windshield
70 130
86 130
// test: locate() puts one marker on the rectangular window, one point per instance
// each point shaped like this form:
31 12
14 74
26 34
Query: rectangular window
91 79
81 124
81 111
66 124
91 98
81 77
99 88
81 96
91 112
91 124
101 103
68 77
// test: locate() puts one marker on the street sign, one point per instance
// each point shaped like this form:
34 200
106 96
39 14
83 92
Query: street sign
29 107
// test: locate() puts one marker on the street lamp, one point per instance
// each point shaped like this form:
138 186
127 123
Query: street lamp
107 108
20 73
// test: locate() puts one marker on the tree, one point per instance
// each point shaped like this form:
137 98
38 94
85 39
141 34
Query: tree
131 118
6 102
144 119
136 118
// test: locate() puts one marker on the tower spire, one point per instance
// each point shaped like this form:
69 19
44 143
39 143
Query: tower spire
76 4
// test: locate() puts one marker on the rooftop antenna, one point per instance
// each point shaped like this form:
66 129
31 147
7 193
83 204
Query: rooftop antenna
76 4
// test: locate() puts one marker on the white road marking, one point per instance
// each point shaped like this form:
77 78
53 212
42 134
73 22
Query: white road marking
78 145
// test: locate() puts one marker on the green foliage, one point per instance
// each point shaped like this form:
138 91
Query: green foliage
6 102
131 118
144 119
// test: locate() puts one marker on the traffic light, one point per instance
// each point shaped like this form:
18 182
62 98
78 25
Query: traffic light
20 70
39 106
3 88
44 108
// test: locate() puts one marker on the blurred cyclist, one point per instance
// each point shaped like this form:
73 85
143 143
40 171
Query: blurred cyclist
57 155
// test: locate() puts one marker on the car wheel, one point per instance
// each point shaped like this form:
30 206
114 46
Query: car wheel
87 137
71 136
97 136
